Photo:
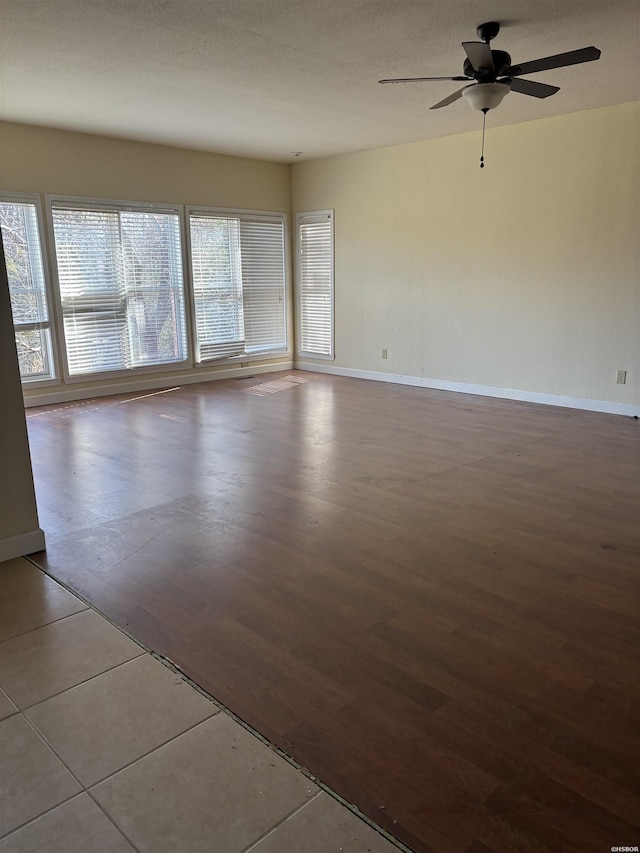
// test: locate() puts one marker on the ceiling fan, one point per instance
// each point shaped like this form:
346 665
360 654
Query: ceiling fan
494 76
492 68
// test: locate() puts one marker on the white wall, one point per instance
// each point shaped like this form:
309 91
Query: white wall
522 275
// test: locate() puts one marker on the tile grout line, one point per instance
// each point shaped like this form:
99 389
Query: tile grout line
119 829
84 790
81 683
112 822
46 624
22 826
276 826
303 770
42 814
87 788
175 668
4 693
307 774
150 752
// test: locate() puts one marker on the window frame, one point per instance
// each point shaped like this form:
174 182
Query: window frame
309 216
240 213
117 205
53 349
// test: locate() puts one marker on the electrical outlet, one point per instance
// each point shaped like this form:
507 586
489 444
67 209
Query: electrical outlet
621 377
385 352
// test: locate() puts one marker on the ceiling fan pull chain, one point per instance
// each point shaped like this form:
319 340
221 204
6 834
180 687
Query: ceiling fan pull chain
484 120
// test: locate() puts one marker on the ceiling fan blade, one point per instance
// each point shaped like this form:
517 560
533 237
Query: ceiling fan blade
530 87
449 99
420 79
479 54
572 57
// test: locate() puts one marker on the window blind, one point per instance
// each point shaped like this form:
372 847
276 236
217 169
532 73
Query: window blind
217 286
315 283
263 285
121 288
238 273
27 289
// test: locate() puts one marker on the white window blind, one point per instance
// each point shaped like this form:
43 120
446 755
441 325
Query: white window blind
23 258
315 283
263 285
238 272
121 288
217 286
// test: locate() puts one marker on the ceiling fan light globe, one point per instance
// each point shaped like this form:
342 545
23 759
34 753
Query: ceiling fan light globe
486 96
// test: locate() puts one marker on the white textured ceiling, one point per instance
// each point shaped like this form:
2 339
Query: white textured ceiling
264 78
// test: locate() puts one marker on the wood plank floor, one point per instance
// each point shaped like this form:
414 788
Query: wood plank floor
428 599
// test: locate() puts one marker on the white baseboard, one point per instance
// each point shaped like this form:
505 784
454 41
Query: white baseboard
68 393
605 406
22 544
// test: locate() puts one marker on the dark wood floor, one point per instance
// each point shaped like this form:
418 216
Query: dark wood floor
430 600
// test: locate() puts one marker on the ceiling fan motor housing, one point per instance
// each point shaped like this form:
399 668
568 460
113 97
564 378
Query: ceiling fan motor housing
488 31
501 65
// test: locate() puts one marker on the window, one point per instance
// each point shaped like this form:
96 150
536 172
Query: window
315 283
121 287
27 288
238 272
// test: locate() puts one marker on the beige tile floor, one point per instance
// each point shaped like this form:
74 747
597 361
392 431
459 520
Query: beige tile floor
104 749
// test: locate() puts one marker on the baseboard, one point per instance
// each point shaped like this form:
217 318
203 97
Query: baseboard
22 544
69 393
627 409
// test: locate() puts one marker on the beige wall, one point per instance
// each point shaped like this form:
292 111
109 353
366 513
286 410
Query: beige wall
43 160
523 275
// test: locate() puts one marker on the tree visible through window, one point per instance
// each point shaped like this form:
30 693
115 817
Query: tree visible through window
238 272
23 258
121 288
120 296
